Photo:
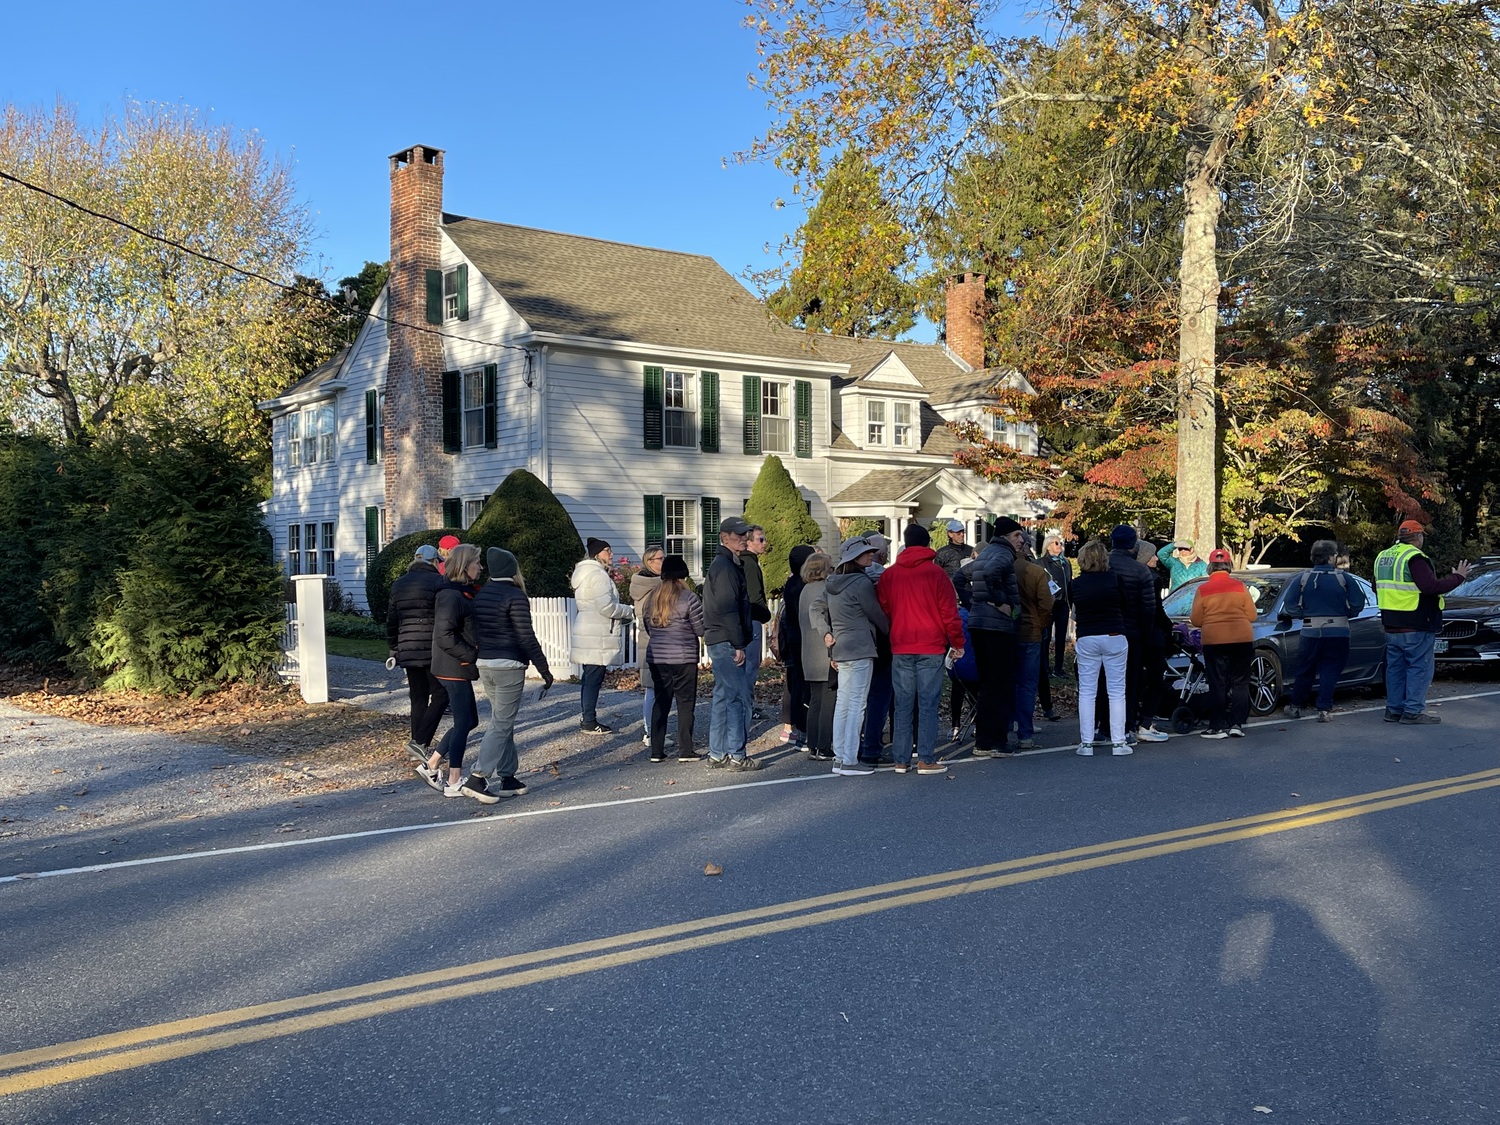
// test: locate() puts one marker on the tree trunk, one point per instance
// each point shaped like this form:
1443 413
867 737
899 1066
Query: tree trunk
1198 322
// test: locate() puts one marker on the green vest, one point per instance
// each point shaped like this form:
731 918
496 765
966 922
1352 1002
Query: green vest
1394 588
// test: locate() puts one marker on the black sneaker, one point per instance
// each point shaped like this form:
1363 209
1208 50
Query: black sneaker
417 750
820 755
744 764
658 758
689 756
1419 719
478 788
596 728
1392 716
509 787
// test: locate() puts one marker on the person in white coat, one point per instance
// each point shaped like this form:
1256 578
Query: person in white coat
596 642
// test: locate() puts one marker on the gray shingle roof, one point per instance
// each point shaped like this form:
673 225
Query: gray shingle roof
942 377
578 286
318 375
885 486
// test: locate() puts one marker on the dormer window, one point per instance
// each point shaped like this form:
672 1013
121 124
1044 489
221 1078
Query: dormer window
901 427
875 422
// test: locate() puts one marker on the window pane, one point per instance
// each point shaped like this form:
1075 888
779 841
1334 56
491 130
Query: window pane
310 549
294 549
325 433
310 437
775 434
681 536
901 430
472 508
450 295
294 439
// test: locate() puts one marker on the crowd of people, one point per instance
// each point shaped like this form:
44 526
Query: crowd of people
867 644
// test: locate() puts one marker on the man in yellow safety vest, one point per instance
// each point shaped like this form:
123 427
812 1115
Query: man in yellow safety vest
1410 596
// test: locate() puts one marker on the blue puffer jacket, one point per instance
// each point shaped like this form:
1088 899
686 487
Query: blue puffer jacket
995 599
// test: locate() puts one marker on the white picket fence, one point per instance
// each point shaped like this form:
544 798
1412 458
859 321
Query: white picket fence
552 620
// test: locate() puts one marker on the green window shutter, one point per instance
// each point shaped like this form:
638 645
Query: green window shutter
491 406
463 292
708 397
453 437
434 296
652 397
709 506
752 414
656 521
453 512
804 417
372 537
372 415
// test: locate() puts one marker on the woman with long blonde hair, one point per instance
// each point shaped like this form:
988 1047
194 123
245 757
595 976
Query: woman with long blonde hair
673 618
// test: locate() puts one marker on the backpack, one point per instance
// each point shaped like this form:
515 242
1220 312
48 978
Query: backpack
1337 573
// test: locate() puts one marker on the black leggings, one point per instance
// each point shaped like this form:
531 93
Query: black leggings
823 696
465 719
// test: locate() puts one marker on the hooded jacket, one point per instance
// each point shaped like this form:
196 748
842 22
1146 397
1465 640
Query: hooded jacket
994 597
597 631
502 625
1036 600
1224 610
453 647
918 597
789 623
850 611
409 614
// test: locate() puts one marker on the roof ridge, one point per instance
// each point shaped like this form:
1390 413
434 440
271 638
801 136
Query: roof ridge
449 216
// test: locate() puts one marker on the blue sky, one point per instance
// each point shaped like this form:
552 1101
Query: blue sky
605 119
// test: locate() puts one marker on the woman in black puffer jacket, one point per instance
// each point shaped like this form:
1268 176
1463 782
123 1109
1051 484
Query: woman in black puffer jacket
408 631
453 655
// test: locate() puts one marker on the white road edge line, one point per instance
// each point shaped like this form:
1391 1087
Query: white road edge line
175 857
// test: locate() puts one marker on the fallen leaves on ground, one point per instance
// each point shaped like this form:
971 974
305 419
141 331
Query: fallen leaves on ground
712 869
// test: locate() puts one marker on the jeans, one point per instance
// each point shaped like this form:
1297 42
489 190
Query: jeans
728 718
465 719
497 750
1325 656
751 669
822 701
1028 670
917 681
1228 668
429 699
1058 635
995 653
1408 671
877 710
849 711
649 703
588 699
1112 653
673 683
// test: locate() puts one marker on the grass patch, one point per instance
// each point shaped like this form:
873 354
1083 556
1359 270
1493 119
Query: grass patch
364 648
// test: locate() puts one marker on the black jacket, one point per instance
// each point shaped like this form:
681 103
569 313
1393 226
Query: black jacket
453 647
755 587
995 599
408 618
1060 571
502 626
1139 585
726 602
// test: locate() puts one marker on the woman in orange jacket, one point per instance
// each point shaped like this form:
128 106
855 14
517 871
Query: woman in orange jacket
1224 610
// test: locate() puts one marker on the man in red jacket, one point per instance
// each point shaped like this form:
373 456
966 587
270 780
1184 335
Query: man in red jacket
922 604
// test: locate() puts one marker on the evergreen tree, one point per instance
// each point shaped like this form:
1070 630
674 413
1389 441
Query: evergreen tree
776 505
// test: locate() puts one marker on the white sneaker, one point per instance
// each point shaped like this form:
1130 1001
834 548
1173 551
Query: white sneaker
1235 732
454 788
1085 749
1120 749
1149 734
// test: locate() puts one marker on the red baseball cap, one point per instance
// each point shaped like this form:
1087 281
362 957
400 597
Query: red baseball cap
448 542
1218 555
1411 527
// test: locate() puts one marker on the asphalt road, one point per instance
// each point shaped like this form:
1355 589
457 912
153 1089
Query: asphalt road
1302 922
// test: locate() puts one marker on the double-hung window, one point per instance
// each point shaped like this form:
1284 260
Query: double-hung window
901 425
775 416
327 543
875 422
294 440
681 528
473 409
310 436
678 410
294 547
450 294
472 508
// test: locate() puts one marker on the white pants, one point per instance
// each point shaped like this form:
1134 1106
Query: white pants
1108 651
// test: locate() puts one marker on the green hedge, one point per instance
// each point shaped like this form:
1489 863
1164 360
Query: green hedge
150 563
523 516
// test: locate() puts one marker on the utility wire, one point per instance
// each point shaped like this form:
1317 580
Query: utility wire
324 298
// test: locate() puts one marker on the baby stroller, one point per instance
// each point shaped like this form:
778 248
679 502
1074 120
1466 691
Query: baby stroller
1189 677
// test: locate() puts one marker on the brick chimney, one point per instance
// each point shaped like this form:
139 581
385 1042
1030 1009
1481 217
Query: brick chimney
414 468
965 319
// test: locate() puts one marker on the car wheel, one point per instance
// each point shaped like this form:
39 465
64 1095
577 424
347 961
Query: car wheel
1265 682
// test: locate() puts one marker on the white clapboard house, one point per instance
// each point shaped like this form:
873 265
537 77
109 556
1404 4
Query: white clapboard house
644 387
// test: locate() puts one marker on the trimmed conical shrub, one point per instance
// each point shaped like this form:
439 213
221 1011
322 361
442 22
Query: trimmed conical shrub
776 505
525 518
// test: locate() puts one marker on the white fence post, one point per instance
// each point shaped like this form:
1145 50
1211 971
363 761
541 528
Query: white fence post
312 649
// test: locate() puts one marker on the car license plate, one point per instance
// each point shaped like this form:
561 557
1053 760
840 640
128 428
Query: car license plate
1439 646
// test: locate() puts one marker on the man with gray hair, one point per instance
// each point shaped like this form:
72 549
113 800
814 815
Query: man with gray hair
1324 598
953 554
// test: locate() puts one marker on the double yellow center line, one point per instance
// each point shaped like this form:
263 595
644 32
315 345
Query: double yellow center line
143 1046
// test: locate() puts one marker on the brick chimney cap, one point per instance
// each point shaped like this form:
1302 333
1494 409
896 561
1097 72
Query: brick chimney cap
430 155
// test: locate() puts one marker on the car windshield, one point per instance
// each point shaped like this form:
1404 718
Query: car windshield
1264 589
1485 585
